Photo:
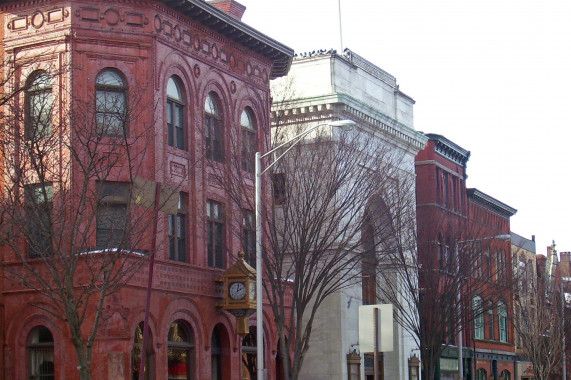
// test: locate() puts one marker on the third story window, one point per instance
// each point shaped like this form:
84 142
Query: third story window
39 106
248 140
249 236
213 129
175 114
39 198
110 103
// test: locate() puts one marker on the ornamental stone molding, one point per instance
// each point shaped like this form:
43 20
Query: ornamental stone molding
37 19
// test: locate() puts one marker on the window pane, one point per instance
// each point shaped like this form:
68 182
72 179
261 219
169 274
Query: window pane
110 103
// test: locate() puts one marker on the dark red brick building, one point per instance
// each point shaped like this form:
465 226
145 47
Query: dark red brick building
462 230
205 75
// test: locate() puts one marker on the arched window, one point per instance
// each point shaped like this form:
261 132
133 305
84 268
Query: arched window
175 113
213 131
136 354
478 310
503 321
369 261
481 374
180 351
505 375
492 335
216 356
110 103
41 354
249 140
39 106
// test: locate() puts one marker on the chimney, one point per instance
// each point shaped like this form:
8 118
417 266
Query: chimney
232 7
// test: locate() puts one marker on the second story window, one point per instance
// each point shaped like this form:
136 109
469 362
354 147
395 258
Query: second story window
249 142
39 200
177 231
249 236
215 234
175 114
39 106
503 322
213 129
110 103
478 310
112 220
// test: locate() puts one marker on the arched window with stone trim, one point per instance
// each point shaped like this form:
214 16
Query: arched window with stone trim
41 361
180 351
503 321
176 109
38 105
214 128
249 139
136 354
111 103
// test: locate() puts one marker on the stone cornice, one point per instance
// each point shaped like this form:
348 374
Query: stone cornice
483 199
449 150
307 109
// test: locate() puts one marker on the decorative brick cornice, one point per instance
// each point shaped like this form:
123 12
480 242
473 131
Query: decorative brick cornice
449 150
483 199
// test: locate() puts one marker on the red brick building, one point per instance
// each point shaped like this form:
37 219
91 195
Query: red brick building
203 77
464 231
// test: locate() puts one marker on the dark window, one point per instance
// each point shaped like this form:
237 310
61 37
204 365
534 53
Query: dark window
41 354
175 114
216 356
39 106
177 231
180 351
491 332
279 187
215 234
249 236
213 130
249 141
112 215
369 262
110 103
39 200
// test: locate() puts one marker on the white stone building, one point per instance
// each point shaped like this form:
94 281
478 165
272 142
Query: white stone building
328 86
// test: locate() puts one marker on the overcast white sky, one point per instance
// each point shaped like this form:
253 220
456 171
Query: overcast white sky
494 76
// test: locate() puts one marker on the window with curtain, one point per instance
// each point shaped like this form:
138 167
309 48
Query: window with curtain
39 106
111 103
503 321
213 128
175 114
249 140
180 351
41 354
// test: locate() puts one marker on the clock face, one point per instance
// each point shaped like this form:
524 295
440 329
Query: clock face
237 290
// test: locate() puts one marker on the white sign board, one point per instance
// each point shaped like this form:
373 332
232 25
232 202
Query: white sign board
367 328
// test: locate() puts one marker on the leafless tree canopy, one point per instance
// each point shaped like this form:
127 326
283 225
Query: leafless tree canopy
69 229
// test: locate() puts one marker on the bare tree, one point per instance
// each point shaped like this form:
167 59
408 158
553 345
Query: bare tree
316 199
70 231
433 295
540 324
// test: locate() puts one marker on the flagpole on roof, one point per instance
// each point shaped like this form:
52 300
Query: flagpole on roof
340 29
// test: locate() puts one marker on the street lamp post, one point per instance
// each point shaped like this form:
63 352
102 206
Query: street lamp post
258 203
458 296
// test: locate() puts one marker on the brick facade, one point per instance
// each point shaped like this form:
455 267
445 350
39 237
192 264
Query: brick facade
148 42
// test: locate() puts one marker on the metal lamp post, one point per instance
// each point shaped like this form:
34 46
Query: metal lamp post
458 296
258 203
